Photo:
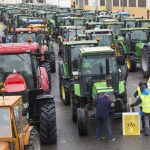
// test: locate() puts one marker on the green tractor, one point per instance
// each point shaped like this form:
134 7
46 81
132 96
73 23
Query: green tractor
103 36
129 49
70 64
143 23
68 33
97 73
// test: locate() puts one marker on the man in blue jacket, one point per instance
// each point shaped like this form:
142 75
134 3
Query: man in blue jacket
103 108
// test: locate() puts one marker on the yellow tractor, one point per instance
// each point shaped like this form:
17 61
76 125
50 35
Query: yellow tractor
15 131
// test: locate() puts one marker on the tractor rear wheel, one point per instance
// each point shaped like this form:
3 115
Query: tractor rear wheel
145 62
120 55
131 63
53 63
82 121
48 133
34 141
65 95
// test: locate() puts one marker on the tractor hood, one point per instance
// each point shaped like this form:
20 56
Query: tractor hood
15 83
100 87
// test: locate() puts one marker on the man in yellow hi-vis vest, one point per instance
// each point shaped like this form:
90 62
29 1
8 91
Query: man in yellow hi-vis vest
144 100
136 95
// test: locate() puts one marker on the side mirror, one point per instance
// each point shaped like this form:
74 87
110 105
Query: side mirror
116 37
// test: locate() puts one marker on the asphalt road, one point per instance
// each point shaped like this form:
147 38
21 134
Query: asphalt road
68 138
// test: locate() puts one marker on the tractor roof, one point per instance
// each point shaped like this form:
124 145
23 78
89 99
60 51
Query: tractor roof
80 42
9 101
75 18
97 50
113 23
18 30
98 30
72 27
133 29
95 23
14 48
141 20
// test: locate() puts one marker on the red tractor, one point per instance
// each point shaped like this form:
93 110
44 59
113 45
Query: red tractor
21 35
21 74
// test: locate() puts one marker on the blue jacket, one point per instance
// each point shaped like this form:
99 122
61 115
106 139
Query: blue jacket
103 106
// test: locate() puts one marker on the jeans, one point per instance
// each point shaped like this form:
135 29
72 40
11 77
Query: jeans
103 122
147 124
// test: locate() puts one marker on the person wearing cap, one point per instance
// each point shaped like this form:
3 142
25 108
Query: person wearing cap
103 109
144 101
136 95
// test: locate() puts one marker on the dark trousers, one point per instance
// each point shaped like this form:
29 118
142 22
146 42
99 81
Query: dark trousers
103 122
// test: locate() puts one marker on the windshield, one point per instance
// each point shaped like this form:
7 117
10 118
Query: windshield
116 29
50 16
20 63
145 24
5 123
78 22
96 65
104 39
75 51
23 37
130 24
139 35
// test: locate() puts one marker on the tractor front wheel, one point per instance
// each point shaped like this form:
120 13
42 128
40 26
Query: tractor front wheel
48 133
130 63
82 121
34 141
53 63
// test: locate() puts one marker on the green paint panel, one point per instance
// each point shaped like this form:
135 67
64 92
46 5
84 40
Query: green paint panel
121 87
100 87
65 68
77 89
139 46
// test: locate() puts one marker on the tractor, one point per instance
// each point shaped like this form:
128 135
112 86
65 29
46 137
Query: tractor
103 36
97 73
15 131
23 75
129 49
68 33
143 23
70 64
20 35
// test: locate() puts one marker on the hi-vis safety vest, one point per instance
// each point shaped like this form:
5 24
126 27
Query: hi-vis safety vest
139 91
145 103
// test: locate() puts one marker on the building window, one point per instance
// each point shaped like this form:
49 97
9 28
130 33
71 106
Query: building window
86 2
124 3
115 2
141 3
132 3
102 2
76 2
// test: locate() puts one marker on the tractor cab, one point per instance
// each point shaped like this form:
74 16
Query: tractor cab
101 18
132 45
97 74
129 23
93 25
114 26
15 130
73 21
143 23
103 36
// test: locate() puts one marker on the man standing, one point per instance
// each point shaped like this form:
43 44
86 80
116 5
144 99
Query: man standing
144 100
103 108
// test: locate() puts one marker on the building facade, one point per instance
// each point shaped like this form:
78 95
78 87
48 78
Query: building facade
136 7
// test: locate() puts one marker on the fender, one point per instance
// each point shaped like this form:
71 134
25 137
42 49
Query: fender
15 83
43 81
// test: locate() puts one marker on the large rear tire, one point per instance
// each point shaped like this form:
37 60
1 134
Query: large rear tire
145 62
73 107
82 121
34 141
48 133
